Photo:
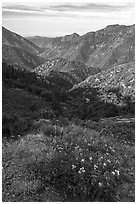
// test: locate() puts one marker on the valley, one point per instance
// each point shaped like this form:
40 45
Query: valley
68 117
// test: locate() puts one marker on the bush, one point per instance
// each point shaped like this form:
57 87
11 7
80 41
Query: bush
22 126
48 114
86 166
12 126
7 124
50 130
23 177
47 95
82 165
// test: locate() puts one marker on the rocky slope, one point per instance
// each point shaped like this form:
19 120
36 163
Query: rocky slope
72 70
116 85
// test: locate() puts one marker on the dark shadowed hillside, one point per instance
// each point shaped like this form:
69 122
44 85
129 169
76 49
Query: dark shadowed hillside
19 51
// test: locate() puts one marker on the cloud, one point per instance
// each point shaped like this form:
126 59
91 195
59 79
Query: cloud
92 7
59 18
81 15
63 9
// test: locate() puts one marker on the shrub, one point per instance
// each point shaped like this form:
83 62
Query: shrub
82 165
86 166
50 130
48 114
22 126
13 126
47 95
7 123
24 162
33 107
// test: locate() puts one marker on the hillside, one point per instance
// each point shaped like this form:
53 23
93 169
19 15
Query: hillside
104 48
68 126
19 51
100 50
73 70
50 154
46 42
115 45
120 78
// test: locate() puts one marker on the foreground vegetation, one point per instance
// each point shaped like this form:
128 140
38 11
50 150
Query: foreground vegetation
71 163
56 147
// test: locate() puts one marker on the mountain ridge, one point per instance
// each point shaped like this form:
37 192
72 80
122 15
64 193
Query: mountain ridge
78 56
18 51
96 49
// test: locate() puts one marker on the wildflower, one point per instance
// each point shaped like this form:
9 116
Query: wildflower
82 160
90 158
113 172
100 158
109 161
73 166
95 166
82 170
100 184
105 164
117 172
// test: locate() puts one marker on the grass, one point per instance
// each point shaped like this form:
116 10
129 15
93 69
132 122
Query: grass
64 160
77 164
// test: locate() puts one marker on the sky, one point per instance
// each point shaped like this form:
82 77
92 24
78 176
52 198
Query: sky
58 18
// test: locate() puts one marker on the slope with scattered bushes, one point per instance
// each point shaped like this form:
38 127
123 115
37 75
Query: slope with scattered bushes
77 164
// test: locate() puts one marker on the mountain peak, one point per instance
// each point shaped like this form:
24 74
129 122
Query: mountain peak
75 34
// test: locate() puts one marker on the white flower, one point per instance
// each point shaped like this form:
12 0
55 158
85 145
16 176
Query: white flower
90 158
109 161
113 172
81 170
105 164
73 166
117 172
100 184
82 160
95 166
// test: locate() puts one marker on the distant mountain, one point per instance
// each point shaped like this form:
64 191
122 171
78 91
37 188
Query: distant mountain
18 51
74 58
92 74
114 45
103 49
46 42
